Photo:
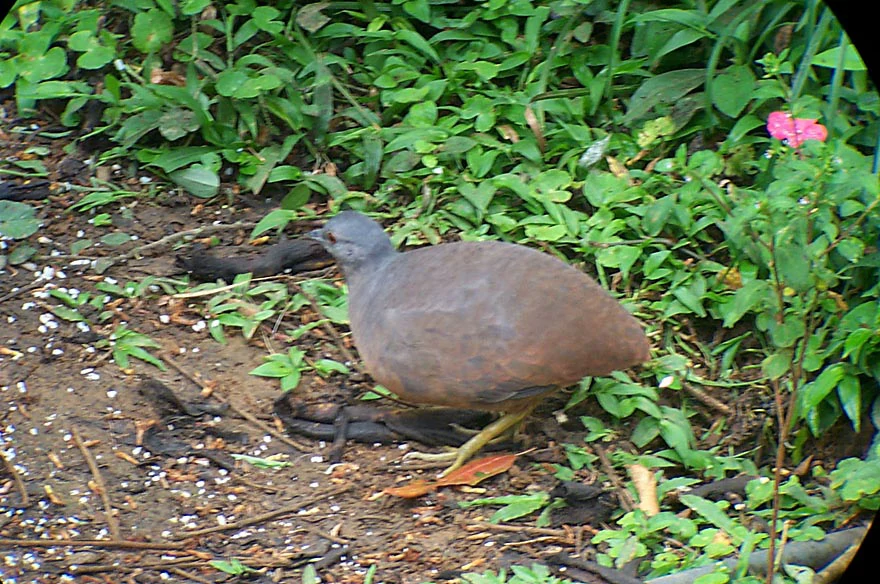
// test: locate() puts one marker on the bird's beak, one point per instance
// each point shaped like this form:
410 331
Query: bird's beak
316 234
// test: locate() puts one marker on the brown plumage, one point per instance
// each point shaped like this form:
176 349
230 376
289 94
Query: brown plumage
483 325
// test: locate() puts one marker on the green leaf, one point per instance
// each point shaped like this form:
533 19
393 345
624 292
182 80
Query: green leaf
229 81
850 394
657 214
42 66
794 266
714 514
262 462
152 30
776 365
17 220
115 238
177 158
752 294
713 578
851 60
68 314
327 366
408 94
276 219
264 18
21 253
418 42
139 353
855 342
198 180
420 9
690 299
296 198
546 232
817 390
328 184
310 17
666 89
274 368
291 381
525 505
733 89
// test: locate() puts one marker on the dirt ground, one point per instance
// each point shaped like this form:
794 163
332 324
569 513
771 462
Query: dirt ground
74 425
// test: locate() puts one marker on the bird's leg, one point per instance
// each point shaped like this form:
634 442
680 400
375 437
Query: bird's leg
489 433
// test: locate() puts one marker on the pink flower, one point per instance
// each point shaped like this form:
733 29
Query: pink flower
795 131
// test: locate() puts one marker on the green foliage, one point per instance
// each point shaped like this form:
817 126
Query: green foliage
125 343
287 368
712 530
537 574
233 567
264 463
516 506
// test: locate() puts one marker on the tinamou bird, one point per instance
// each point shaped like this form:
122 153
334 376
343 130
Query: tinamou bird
482 325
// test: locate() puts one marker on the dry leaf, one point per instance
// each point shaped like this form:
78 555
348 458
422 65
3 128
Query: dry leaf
476 471
470 474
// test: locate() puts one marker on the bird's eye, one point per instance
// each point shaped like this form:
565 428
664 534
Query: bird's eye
330 237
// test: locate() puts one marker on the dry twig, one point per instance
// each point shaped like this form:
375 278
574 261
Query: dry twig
288 510
19 484
112 523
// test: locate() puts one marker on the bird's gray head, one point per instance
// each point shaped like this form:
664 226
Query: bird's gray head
355 240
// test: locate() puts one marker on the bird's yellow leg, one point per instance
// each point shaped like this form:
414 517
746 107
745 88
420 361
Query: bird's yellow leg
489 433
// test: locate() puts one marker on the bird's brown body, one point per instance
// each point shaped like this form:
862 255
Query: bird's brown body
480 325
485 325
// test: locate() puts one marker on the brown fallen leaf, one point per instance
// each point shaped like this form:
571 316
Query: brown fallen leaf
470 474
479 470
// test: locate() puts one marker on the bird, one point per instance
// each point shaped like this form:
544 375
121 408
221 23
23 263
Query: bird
484 325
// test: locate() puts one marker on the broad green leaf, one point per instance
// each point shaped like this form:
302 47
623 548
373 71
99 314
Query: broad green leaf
776 365
310 17
733 89
546 232
152 30
197 180
177 123
852 61
657 214
850 393
115 238
817 390
17 220
666 88
274 368
715 515
418 42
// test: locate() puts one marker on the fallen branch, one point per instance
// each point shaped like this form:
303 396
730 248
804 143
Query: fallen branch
101 543
112 523
288 510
